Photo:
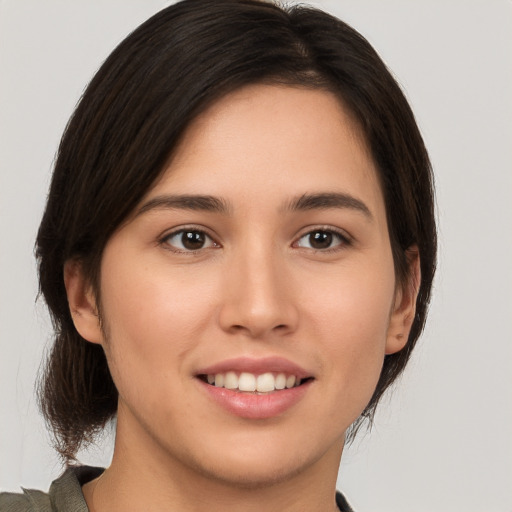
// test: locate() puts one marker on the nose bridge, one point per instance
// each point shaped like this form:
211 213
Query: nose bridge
257 299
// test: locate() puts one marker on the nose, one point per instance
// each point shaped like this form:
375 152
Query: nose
258 299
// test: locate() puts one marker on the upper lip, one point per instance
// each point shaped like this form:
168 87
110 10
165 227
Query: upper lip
256 366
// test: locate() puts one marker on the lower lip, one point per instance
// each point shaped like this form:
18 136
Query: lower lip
253 406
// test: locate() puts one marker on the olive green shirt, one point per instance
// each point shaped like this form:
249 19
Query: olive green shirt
65 494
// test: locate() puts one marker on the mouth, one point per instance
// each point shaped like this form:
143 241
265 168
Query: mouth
259 384
255 389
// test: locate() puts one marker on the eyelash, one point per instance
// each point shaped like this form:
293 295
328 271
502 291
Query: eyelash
343 240
164 241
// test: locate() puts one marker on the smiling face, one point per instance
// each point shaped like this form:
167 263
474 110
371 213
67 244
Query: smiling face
249 301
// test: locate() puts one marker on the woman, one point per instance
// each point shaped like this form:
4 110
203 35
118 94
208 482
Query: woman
237 251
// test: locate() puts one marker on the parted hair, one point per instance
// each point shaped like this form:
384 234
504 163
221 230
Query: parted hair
131 117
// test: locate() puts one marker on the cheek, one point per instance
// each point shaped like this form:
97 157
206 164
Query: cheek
351 321
355 302
153 317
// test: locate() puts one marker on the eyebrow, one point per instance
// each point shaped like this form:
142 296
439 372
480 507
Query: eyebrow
328 200
186 202
206 203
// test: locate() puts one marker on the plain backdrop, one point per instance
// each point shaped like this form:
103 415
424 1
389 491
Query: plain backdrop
443 438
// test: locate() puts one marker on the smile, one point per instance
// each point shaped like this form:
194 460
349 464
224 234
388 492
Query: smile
255 389
252 383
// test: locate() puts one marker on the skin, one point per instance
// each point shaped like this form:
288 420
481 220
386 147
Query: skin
257 288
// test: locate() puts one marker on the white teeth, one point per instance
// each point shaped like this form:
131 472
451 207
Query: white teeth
290 381
265 383
231 380
280 381
248 382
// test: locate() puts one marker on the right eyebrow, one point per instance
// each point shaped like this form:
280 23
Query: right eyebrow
186 202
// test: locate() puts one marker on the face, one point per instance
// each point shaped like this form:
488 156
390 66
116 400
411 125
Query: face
249 301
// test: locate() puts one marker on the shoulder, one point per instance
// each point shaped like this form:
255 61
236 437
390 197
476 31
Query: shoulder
29 501
65 494
66 491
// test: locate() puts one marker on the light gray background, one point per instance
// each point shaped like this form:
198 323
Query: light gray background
443 440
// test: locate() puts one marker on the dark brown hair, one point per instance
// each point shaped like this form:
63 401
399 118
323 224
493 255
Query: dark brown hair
130 119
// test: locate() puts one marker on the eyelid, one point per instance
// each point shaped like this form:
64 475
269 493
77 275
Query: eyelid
163 239
346 239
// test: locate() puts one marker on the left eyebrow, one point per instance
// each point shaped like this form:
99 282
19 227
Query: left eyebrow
186 202
328 200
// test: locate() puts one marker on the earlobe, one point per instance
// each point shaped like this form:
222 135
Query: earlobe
82 304
404 308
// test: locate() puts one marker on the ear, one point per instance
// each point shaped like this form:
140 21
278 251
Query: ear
82 303
404 307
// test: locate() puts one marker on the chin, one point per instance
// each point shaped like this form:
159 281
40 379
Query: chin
256 475
252 462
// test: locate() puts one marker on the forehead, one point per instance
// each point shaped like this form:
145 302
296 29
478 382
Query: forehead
268 140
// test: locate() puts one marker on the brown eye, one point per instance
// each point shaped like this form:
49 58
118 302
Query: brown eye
192 240
321 239
189 240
